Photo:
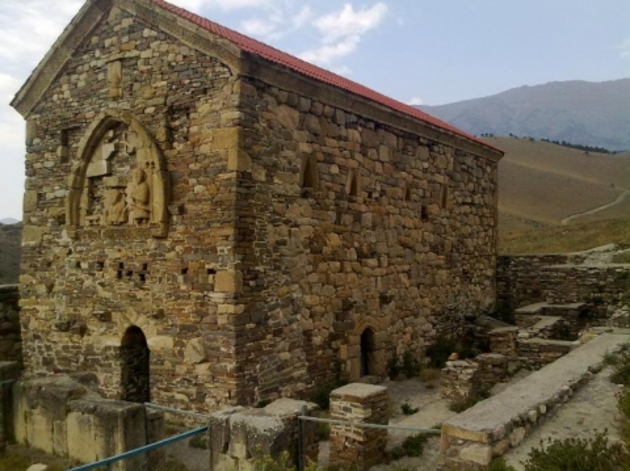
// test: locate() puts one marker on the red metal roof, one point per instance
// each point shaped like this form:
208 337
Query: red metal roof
271 54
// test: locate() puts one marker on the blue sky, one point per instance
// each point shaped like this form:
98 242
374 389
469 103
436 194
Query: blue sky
417 51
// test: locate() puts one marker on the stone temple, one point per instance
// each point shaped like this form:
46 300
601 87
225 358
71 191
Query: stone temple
210 221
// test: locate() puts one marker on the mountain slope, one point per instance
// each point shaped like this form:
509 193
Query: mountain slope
594 114
543 184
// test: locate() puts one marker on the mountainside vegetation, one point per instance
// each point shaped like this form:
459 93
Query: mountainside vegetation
10 237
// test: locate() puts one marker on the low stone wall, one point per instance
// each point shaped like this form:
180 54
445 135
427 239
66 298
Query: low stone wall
358 447
457 381
503 341
560 279
238 436
10 337
538 352
462 379
491 427
63 416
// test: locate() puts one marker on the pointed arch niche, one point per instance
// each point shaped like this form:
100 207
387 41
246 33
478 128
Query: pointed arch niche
121 182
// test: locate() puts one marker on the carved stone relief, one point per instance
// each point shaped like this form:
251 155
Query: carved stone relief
121 182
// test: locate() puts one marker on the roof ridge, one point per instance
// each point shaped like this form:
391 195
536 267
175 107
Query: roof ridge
272 54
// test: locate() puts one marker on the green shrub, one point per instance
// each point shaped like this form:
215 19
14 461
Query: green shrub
199 441
499 465
394 368
263 403
623 404
410 365
439 351
576 454
412 446
621 366
269 463
321 397
408 410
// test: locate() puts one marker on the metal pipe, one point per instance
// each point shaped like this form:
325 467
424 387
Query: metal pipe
145 449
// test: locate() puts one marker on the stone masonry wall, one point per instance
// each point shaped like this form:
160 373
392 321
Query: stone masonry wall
353 224
10 336
252 232
559 279
82 290
358 447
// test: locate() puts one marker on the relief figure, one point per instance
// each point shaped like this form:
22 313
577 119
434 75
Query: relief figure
139 198
115 207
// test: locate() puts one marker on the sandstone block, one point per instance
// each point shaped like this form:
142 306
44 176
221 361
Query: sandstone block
479 454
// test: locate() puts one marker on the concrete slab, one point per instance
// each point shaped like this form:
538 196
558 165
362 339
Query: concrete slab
537 389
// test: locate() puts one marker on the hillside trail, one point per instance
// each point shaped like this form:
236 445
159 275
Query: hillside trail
617 201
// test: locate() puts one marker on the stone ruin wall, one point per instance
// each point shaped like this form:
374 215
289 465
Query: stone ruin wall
81 291
10 336
559 279
352 223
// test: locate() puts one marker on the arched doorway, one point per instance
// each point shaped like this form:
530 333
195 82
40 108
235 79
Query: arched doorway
135 376
368 346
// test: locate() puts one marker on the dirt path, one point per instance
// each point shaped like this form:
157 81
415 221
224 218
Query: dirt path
619 199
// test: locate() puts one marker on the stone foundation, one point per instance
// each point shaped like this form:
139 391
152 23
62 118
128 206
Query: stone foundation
358 447
463 379
239 436
63 416
560 279
536 353
503 340
491 427
10 336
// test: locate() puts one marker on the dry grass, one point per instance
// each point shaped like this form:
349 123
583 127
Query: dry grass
569 238
540 184
19 458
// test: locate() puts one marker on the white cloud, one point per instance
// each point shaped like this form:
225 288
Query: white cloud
625 48
258 27
28 28
416 101
277 24
343 70
331 52
348 22
198 5
303 16
342 32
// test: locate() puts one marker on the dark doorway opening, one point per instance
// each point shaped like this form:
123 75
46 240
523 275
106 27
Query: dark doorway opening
368 346
135 355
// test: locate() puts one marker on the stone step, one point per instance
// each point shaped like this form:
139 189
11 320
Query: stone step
544 307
